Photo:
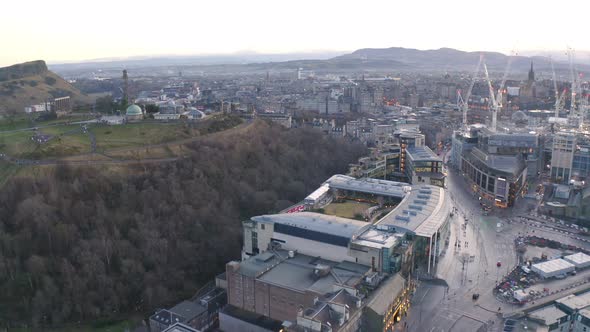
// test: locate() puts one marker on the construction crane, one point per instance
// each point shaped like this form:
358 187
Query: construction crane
570 56
561 100
463 103
557 97
577 108
496 97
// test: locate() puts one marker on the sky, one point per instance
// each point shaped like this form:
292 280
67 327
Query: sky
69 30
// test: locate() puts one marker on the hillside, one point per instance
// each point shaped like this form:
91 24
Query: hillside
450 59
393 59
83 243
32 83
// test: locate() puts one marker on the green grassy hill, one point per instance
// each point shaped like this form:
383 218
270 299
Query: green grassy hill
32 83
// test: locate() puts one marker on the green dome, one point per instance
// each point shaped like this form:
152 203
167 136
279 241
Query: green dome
134 110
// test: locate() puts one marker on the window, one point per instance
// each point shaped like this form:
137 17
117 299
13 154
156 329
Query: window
262 226
254 241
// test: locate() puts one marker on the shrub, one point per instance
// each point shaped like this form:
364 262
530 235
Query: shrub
50 80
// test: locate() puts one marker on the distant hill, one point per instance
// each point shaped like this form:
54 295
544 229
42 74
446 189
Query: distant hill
32 83
450 59
393 59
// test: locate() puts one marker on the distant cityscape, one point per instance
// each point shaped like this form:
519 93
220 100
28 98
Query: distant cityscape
470 213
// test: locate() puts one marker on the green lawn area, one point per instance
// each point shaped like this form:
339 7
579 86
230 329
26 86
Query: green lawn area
346 209
16 143
69 140
19 143
137 134
23 121
62 146
18 122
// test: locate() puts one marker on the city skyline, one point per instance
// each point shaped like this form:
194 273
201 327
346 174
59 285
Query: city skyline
66 31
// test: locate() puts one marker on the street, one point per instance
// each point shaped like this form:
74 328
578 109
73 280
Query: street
468 266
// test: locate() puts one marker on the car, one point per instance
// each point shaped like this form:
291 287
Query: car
508 328
499 264
510 322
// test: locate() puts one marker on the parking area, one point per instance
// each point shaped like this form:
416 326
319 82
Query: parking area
523 285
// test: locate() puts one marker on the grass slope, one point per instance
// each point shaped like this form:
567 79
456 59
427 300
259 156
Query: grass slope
17 93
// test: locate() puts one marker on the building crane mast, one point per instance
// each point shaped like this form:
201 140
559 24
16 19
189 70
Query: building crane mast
492 96
464 103
557 97
497 97
577 108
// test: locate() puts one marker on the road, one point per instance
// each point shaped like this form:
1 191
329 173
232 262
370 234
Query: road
468 266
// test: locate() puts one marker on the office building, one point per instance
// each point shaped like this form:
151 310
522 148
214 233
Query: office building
562 156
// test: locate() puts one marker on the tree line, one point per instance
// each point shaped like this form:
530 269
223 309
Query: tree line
86 243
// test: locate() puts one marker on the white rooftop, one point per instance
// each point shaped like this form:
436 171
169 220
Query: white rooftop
579 258
423 211
324 188
553 265
370 186
375 238
317 222
576 302
549 314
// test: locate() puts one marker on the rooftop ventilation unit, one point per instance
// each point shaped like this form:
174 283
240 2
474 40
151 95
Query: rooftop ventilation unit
413 213
415 207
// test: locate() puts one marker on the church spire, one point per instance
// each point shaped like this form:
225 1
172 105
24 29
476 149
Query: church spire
531 73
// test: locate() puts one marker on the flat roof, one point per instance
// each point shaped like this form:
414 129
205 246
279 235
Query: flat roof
585 313
376 238
422 153
503 163
575 302
179 327
423 211
297 273
256 265
549 314
508 164
514 139
386 293
369 185
252 318
316 194
577 258
553 265
318 222
188 309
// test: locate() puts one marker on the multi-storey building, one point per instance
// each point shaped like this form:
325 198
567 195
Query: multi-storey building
424 166
497 178
562 156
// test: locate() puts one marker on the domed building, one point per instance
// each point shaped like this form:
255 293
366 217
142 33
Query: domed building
134 113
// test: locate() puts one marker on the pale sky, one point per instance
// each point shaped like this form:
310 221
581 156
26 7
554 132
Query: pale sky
66 30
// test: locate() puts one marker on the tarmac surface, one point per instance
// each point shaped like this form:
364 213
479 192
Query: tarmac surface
469 266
